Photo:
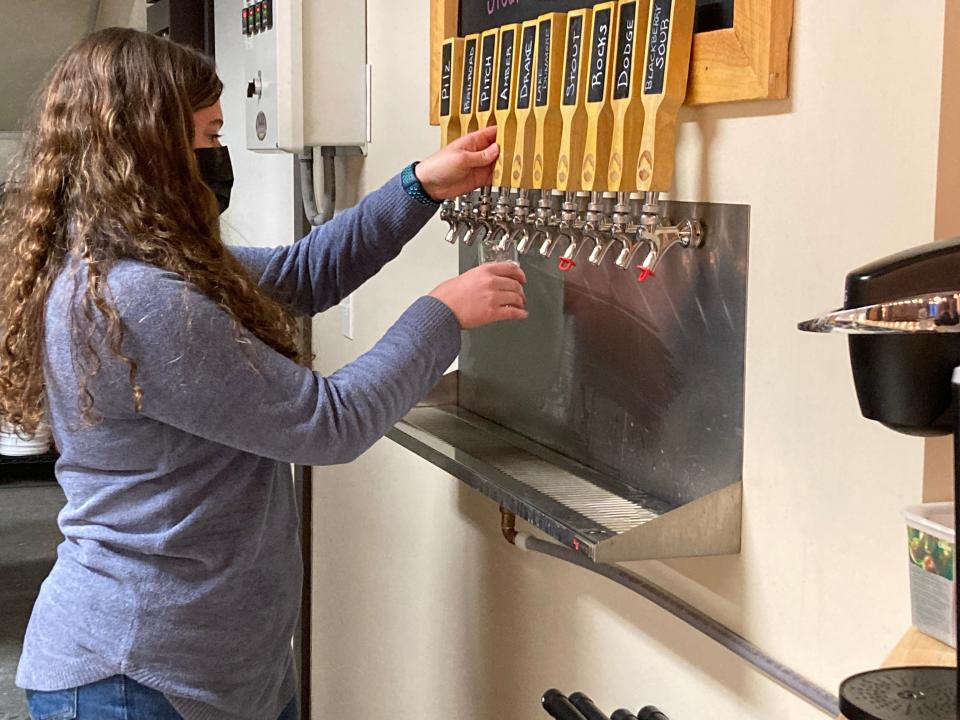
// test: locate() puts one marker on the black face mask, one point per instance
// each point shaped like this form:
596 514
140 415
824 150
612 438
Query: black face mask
217 172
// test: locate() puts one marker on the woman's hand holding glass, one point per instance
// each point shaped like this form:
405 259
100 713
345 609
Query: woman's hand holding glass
486 294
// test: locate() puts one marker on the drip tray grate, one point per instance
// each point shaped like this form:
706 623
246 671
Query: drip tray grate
594 513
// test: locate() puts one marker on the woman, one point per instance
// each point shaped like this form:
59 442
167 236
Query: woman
167 366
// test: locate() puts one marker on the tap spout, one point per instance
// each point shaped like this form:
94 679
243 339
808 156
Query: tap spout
566 229
551 234
448 214
622 217
529 238
513 235
599 242
664 238
519 231
568 259
602 248
465 218
480 221
480 229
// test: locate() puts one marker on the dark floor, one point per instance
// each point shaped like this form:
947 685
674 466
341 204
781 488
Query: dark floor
28 541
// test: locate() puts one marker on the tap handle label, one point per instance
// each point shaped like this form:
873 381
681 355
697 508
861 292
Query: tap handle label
504 89
446 78
525 81
543 63
599 56
658 45
626 41
574 58
469 73
487 58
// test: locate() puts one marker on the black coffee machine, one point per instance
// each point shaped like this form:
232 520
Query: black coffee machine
903 316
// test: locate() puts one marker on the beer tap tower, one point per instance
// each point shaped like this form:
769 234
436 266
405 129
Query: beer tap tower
548 124
573 136
451 82
521 172
506 120
599 127
585 104
486 80
666 65
462 223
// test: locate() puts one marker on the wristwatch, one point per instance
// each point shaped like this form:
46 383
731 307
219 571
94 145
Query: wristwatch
408 178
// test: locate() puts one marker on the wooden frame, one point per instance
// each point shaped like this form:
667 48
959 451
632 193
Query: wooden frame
746 62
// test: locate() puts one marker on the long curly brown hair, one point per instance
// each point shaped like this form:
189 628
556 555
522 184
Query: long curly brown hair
108 173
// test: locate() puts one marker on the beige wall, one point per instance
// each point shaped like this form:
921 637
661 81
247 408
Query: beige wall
9 147
122 13
39 32
422 611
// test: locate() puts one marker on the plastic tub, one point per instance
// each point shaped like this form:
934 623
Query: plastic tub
931 551
12 444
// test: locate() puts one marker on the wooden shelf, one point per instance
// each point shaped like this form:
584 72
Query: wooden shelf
915 648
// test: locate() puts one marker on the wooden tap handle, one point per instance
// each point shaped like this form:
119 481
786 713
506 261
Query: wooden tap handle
665 68
596 152
626 85
486 78
468 85
572 100
451 79
505 108
548 125
521 174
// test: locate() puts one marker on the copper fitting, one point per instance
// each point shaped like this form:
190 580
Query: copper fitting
508 525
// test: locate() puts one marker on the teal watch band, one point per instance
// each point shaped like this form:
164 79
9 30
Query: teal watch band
408 178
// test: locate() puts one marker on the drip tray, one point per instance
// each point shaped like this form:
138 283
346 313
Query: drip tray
591 512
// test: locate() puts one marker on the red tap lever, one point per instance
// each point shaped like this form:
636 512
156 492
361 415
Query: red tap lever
645 273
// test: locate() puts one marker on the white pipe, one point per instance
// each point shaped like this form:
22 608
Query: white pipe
329 198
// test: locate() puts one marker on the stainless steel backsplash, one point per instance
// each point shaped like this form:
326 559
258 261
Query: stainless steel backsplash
643 381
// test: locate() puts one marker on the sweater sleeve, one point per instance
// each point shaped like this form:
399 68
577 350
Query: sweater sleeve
203 374
336 258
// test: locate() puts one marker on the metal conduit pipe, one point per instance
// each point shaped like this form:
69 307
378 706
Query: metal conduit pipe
784 676
329 198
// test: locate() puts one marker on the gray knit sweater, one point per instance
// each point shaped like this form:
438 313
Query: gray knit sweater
181 566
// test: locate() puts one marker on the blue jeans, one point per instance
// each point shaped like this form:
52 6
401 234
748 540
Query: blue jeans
116 698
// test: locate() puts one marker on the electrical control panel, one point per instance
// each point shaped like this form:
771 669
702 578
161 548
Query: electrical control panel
307 78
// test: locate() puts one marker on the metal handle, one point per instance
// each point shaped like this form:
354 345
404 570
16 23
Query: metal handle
559 707
586 707
651 713
925 313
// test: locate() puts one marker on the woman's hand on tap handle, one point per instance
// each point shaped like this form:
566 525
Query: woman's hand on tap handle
487 294
461 167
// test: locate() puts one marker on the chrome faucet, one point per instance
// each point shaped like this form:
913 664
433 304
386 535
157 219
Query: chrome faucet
542 224
622 218
599 228
465 221
481 225
658 236
520 229
502 226
448 213
634 223
569 213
